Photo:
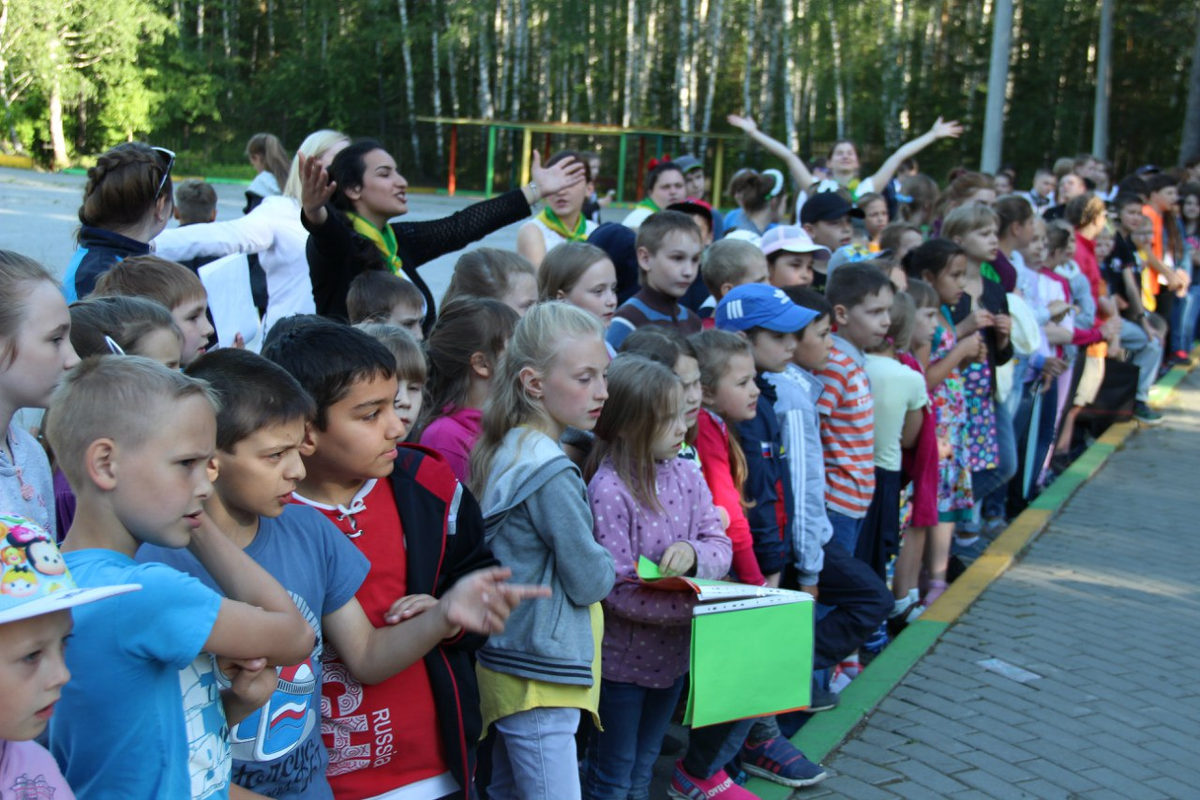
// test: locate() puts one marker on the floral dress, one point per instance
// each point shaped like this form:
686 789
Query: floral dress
984 450
950 413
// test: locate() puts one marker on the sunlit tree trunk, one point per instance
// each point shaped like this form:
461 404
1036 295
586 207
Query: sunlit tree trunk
409 91
751 49
435 49
838 86
58 141
631 62
712 63
487 108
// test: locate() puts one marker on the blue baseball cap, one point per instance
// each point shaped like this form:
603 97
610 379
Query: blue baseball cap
757 305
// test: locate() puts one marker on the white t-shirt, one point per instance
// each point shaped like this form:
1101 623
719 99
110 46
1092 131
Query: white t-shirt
553 238
896 390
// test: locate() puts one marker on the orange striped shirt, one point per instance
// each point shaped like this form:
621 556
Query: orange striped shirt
847 431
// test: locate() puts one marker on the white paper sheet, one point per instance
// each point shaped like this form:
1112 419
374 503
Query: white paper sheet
227 281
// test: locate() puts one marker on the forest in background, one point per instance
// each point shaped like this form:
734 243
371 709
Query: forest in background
201 76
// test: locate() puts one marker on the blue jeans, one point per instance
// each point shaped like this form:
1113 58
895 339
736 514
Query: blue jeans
1184 315
620 759
712 747
534 757
994 504
1144 352
845 529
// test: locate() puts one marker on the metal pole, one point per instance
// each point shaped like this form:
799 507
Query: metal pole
491 161
526 154
993 124
621 153
1103 82
453 159
718 174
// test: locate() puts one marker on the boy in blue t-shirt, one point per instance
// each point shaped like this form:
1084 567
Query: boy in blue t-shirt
143 716
277 750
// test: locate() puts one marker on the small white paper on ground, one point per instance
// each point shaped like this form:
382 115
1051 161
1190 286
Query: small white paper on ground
1007 670
227 281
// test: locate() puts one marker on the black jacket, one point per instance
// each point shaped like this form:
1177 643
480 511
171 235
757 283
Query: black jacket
995 300
427 492
336 254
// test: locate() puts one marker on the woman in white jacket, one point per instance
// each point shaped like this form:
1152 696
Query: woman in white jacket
272 230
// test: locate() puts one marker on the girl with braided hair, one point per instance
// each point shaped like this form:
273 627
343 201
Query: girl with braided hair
126 203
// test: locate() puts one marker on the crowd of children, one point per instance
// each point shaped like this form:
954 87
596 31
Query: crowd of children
395 554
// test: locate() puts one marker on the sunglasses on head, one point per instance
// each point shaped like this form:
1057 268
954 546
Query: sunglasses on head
170 156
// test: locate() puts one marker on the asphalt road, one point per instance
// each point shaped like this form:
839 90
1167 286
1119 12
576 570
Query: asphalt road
39 218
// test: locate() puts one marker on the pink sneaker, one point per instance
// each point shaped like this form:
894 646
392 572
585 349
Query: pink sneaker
688 787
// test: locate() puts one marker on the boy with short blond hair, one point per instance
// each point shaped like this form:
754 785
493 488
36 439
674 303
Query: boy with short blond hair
729 263
668 252
260 428
134 440
173 285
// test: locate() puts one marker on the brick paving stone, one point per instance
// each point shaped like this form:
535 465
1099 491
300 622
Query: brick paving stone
975 794
846 786
1110 779
930 756
929 777
1059 776
906 789
1104 606
1188 772
1044 790
1172 787
1010 772
865 771
1171 750
871 753
988 743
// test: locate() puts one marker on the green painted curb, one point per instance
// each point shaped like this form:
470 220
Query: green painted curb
827 730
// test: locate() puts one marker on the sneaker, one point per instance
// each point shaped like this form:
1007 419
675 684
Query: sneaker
779 761
821 699
689 787
1146 415
1179 357
877 640
992 526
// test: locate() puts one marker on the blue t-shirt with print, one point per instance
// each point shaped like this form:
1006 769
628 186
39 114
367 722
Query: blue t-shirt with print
140 705
277 750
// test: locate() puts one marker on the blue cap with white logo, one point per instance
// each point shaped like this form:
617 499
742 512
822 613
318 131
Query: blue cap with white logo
757 305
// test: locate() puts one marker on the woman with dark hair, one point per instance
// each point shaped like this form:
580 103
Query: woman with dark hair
126 203
844 164
665 185
347 211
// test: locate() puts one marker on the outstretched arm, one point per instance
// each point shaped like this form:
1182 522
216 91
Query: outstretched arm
940 130
796 168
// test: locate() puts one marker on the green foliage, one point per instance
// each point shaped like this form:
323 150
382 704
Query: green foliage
203 75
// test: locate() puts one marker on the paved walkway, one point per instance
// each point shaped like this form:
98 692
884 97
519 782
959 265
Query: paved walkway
1101 620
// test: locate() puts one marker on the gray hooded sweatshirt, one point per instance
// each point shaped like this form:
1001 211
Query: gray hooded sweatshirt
538 522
